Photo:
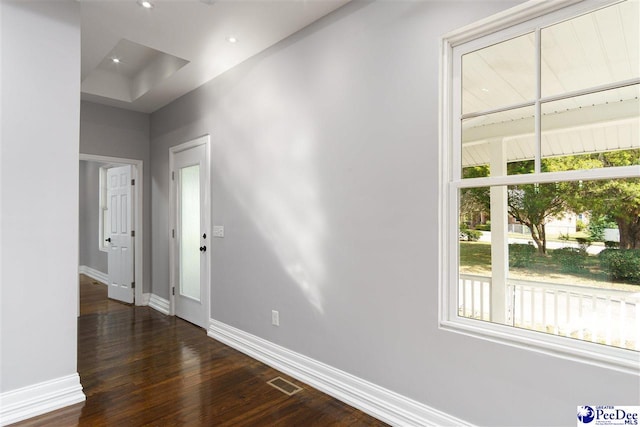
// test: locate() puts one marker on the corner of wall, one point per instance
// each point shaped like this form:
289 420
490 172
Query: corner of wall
37 399
94 274
159 304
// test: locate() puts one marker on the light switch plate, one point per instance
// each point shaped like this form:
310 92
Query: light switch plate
218 231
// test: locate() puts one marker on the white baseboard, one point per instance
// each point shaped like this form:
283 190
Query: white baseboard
37 399
386 405
94 274
145 299
159 303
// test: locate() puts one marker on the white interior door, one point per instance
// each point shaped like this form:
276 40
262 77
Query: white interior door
120 240
191 242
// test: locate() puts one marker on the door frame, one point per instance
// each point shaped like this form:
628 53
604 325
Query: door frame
138 240
206 141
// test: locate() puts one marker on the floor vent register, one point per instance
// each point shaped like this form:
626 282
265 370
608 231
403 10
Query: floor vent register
284 386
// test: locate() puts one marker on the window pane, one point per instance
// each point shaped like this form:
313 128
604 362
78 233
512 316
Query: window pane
592 131
590 50
105 227
499 75
190 232
561 278
493 140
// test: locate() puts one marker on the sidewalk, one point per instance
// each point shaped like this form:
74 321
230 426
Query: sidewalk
594 249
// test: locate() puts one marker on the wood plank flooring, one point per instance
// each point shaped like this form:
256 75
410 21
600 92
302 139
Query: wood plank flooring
141 368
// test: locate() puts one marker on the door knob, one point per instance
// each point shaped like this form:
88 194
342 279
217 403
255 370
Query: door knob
108 240
203 248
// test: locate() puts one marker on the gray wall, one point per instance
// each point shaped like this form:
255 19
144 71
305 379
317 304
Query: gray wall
324 174
90 254
114 132
40 81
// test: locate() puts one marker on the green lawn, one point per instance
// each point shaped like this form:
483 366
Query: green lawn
475 254
475 258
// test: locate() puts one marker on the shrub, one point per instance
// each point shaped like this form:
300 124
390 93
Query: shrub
570 259
483 227
596 227
584 243
468 234
611 244
521 255
621 264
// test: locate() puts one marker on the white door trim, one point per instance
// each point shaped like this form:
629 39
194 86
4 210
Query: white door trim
206 141
139 197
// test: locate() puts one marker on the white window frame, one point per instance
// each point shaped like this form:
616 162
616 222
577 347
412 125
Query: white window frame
511 23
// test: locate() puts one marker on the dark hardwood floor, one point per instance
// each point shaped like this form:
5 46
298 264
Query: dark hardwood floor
139 367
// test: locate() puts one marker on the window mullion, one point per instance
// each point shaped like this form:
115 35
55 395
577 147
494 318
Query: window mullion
497 110
616 172
559 97
590 90
538 106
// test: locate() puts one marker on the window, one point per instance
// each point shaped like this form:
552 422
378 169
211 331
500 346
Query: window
103 228
540 180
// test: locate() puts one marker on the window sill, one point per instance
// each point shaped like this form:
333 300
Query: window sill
618 359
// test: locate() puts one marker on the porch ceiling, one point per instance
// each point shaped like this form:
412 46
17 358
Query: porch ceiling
587 51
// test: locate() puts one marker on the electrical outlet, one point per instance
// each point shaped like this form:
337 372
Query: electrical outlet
218 231
275 318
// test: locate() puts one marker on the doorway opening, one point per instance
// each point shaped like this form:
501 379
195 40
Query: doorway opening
95 224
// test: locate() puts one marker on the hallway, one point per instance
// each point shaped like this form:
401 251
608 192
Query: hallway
139 367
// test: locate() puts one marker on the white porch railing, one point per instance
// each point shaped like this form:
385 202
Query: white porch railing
474 297
606 316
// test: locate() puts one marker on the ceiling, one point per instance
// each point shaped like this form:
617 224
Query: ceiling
591 50
177 45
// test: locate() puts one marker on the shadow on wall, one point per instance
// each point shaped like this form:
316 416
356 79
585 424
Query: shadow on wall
273 180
